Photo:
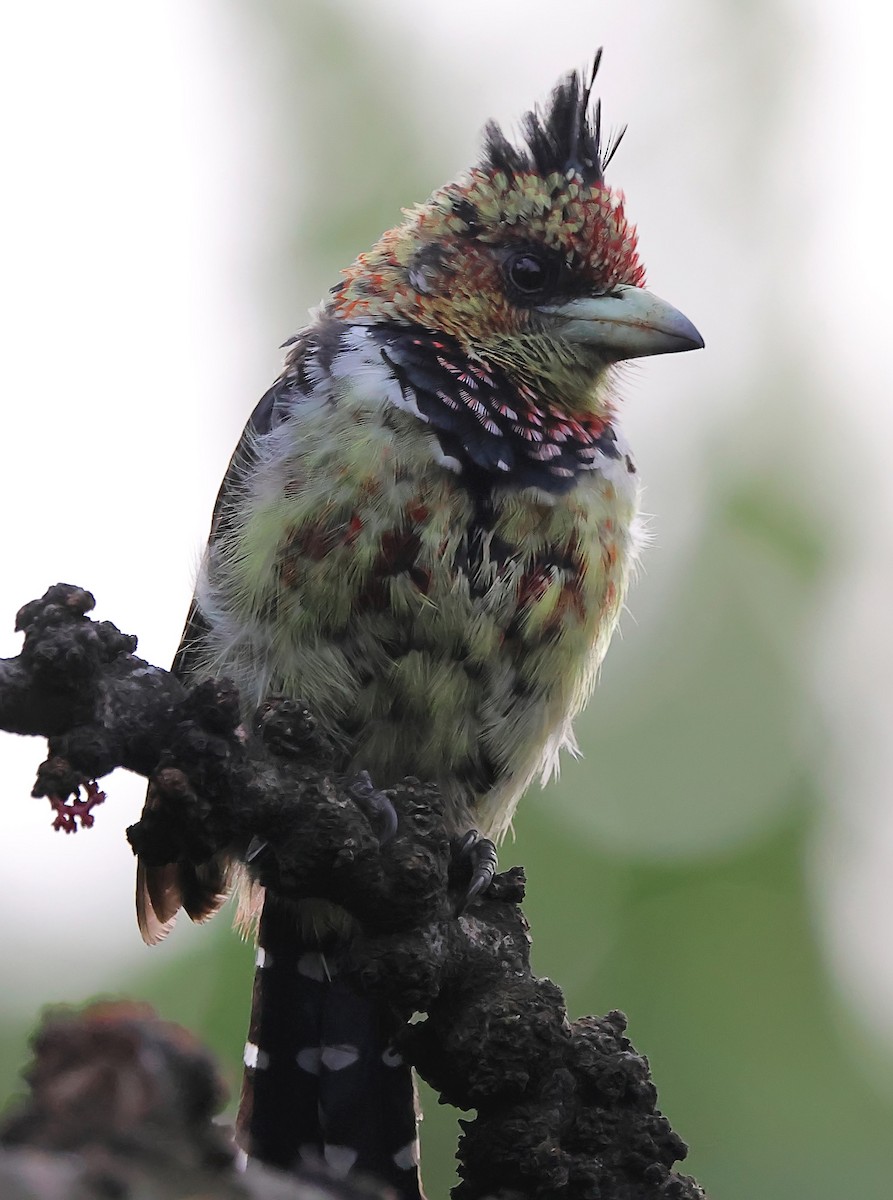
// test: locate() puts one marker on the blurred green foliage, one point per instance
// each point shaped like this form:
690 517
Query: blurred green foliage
666 871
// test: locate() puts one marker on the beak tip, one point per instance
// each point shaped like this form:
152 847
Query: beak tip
696 342
678 332
689 334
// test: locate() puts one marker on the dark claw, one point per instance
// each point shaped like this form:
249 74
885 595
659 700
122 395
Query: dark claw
475 857
375 806
258 849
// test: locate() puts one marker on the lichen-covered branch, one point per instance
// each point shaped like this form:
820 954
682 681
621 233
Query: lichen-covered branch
564 1109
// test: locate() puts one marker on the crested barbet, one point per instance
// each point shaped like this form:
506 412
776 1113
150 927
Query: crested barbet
427 530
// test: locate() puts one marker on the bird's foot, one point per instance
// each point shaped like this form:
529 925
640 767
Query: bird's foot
376 806
473 863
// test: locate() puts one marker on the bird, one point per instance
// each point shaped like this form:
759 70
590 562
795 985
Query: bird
427 530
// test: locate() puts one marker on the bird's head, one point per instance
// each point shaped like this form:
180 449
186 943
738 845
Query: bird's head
528 261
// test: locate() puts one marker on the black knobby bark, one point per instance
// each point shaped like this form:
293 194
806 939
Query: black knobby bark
564 1109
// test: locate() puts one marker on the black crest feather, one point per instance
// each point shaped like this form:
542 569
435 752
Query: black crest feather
565 136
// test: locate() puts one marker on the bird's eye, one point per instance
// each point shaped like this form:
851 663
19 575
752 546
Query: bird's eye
528 273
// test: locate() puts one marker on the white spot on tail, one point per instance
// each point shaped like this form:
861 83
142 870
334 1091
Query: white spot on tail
309 1059
255 1057
340 1158
336 1058
262 959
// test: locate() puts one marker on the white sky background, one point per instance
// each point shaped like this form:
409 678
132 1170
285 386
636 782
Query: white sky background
139 164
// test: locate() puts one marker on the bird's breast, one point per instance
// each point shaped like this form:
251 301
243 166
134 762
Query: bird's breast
437 626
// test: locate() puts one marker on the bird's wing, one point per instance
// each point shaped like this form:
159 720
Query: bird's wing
161 891
262 420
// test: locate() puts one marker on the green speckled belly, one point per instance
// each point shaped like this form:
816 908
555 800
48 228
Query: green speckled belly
435 630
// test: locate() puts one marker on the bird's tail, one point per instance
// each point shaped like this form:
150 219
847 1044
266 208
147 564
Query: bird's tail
321 1081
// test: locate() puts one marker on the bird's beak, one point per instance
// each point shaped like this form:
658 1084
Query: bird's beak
627 323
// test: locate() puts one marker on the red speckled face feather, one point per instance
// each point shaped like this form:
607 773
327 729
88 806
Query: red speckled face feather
447 267
586 227
586 224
